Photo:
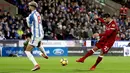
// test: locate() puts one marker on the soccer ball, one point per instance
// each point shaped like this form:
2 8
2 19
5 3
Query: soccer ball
64 61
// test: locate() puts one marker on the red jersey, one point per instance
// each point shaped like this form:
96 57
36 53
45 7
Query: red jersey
110 32
108 37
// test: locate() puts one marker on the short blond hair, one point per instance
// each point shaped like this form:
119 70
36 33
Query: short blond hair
33 3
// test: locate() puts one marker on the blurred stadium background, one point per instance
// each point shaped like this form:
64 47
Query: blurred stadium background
68 25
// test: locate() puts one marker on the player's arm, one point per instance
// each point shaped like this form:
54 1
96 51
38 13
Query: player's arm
100 19
29 20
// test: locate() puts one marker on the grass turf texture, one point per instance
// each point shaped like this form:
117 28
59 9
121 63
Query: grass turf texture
52 65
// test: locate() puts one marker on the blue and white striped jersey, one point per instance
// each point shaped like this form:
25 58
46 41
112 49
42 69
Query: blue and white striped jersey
34 21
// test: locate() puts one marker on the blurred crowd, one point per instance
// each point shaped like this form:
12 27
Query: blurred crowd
126 2
61 19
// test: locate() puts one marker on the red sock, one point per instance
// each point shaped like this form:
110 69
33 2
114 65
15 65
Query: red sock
89 53
99 59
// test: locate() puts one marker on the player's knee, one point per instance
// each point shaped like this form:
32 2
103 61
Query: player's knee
101 53
95 49
39 44
104 52
29 48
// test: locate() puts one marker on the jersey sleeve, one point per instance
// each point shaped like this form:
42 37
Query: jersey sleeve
100 19
29 20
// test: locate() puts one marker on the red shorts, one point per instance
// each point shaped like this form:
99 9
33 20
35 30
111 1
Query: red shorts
104 46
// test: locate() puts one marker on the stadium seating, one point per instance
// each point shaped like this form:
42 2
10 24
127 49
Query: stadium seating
62 20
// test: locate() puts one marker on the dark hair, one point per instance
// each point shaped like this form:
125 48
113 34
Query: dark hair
106 15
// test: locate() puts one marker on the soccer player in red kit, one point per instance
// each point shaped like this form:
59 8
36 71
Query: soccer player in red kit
106 40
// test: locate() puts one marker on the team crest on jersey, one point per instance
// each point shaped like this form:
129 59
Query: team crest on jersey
113 25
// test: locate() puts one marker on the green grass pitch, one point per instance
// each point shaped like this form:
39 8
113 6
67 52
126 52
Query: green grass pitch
109 64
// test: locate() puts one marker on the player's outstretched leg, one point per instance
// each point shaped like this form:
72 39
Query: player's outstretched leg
89 53
44 55
41 48
99 59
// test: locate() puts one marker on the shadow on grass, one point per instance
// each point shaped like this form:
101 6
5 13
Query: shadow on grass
16 71
81 70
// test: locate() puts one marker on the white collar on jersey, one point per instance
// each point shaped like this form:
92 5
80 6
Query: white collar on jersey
33 11
110 21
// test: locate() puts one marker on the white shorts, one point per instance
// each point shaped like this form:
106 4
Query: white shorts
35 41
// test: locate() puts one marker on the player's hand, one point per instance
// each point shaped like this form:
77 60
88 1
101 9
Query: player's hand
96 16
26 18
95 35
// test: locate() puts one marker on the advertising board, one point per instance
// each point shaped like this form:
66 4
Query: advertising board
11 51
52 51
9 43
19 51
54 43
126 51
76 51
115 52
120 43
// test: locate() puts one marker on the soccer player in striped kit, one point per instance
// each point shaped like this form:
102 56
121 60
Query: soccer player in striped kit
35 23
